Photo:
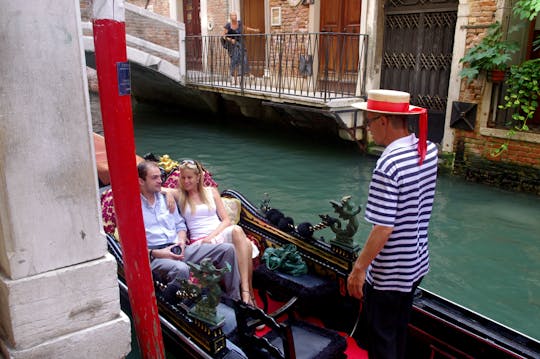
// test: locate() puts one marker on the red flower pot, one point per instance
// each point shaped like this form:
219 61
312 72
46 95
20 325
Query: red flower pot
496 76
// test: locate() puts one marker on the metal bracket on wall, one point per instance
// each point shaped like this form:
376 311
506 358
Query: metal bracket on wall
463 115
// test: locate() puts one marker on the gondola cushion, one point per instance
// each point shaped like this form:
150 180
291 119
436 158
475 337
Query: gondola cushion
107 212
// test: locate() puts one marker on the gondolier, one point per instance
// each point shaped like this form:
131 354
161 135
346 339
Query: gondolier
395 256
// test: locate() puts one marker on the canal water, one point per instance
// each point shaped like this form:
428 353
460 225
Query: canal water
484 242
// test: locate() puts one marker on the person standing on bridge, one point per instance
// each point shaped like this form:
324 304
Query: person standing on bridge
233 42
395 256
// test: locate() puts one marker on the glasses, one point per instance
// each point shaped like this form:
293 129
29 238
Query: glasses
189 164
369 121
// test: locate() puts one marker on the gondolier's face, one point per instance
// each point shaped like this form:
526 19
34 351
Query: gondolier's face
152 183
375 126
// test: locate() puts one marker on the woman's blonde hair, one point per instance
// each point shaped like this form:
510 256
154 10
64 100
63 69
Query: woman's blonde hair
184 199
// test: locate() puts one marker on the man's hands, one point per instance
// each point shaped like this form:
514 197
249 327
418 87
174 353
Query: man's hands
376 240
355 282
166 253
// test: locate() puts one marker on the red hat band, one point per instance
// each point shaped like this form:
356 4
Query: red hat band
387 106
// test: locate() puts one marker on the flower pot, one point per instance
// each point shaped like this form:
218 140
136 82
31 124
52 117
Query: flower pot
496 76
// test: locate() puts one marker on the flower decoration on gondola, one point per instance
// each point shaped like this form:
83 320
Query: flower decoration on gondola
167 163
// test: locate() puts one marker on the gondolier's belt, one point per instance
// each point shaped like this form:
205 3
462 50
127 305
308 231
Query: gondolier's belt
159 246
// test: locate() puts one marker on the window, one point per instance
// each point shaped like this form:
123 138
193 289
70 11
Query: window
275 14
503 118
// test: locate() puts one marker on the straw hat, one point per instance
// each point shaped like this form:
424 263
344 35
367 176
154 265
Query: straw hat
388 101
397 103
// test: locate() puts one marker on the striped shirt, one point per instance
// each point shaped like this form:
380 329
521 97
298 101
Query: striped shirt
401 196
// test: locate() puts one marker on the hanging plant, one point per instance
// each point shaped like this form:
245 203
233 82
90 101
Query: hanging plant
522 96
528 10
491 53
523 92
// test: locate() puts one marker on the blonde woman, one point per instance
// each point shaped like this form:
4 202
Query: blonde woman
208 222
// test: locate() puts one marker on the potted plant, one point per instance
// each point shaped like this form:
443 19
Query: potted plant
491 54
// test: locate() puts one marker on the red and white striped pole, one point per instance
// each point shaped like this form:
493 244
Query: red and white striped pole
114 82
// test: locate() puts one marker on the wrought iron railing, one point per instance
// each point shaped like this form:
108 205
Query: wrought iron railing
317 65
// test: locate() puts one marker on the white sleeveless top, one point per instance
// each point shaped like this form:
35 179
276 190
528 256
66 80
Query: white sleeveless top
205 219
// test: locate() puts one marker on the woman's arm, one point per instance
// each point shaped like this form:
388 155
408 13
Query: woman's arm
222 214
172 196
252 29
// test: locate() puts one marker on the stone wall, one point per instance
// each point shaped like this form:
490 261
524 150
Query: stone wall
58 289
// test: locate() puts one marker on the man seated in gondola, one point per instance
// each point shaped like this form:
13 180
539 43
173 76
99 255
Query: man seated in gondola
165 230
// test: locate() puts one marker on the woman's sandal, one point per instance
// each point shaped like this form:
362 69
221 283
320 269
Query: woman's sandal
254 303
251 301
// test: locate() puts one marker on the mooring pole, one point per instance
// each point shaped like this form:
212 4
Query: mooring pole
114 82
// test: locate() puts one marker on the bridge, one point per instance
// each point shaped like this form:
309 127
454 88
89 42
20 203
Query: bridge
296 81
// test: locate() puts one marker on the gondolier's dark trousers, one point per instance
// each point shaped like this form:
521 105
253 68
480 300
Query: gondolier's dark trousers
387 314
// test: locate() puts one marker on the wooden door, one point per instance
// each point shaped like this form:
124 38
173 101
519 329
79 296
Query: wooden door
192 20
338 49
417 55
252 15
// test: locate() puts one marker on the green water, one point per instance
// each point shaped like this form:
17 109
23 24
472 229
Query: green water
484 242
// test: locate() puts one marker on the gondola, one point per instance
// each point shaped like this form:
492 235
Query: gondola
438 327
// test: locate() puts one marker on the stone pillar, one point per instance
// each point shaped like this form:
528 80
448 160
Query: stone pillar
58 290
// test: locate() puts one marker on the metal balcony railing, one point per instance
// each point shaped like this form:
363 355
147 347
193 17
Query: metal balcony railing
315 65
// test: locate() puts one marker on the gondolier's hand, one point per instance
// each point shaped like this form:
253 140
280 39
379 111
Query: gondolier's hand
355 283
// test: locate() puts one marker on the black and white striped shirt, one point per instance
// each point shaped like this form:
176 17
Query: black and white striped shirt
401 196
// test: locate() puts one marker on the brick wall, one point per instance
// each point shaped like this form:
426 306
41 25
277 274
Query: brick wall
86 10
218 15
160 7
519 167
293 18
148 29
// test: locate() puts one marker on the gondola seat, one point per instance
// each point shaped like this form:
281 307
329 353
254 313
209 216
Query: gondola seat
288 337
310 289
